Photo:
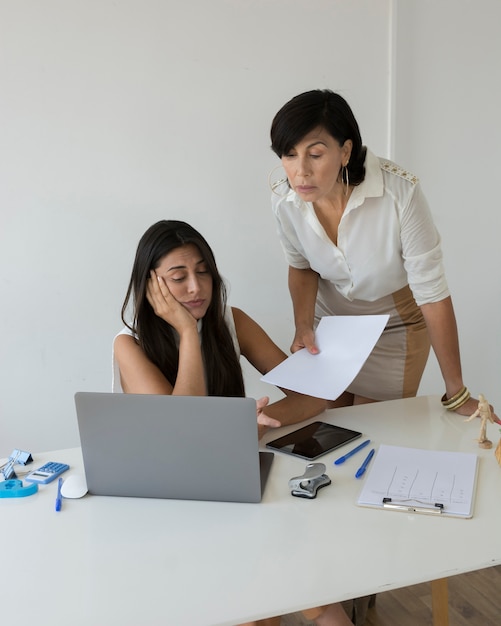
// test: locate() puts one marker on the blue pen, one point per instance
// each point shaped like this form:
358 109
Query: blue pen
364 465
59 498
342 459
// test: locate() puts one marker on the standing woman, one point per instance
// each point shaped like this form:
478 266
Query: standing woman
359 239
183 338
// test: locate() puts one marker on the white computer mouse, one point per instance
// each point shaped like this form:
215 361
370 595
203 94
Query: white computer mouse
74 486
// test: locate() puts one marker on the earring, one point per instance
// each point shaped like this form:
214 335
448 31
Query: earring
277 183
345 178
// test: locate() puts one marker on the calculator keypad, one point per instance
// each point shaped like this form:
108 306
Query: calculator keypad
47 473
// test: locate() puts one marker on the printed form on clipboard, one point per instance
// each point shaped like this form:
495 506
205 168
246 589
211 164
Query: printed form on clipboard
421 481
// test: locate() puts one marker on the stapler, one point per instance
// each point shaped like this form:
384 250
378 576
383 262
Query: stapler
307 485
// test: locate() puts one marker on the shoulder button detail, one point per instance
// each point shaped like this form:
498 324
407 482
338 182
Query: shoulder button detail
392 168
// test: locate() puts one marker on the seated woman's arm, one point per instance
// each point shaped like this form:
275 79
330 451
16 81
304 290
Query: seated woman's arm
139 375
257 347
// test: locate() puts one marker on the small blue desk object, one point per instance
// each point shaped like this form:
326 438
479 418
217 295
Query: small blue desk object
15 489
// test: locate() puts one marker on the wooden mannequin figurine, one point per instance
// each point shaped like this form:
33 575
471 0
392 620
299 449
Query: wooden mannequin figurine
484 412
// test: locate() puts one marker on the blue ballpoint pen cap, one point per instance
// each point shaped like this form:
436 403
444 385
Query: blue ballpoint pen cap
363 467
59 498
346 456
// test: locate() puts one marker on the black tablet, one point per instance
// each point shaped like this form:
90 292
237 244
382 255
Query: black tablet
314 440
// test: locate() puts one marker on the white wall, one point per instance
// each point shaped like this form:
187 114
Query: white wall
447 130
116 114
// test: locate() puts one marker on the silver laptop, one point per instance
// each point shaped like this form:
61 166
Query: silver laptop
182 447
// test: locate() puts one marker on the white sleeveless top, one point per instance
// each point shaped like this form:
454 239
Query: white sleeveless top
116 385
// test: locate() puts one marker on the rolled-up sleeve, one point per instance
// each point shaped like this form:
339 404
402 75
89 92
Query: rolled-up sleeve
422 251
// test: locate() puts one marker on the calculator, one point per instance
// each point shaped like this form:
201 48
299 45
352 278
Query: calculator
47 473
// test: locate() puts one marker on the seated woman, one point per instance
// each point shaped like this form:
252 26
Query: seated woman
185 340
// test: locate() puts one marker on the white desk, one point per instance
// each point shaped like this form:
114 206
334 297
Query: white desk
131 562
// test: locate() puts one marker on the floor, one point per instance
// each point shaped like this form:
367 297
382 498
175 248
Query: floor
474 600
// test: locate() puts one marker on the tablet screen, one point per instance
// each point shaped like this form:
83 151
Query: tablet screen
314 440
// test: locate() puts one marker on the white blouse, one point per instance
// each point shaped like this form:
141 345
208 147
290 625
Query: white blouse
386 237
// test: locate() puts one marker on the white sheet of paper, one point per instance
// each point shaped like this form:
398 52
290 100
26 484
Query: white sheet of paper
345 342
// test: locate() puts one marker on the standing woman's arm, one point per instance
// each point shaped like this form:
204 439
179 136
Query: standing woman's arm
442 329
421 249
303 287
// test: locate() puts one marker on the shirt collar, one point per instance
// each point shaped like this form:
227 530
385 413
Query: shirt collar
294 198
372 186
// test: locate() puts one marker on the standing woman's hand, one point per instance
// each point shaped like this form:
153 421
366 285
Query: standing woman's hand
305 338
166 306
469 408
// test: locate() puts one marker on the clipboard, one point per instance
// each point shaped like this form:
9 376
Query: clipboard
428 482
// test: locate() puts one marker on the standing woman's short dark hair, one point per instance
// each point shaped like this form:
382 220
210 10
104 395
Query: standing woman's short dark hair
319 108
156 337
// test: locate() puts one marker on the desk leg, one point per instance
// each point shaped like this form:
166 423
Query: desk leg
440 602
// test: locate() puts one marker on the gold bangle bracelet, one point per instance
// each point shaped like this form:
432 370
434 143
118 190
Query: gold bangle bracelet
457 400
446 401
459 403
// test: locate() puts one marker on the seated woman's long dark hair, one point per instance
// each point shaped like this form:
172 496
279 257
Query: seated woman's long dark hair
156 337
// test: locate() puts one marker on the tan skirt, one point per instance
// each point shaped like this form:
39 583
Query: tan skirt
396 364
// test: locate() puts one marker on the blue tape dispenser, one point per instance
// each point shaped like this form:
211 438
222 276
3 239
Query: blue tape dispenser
14 489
